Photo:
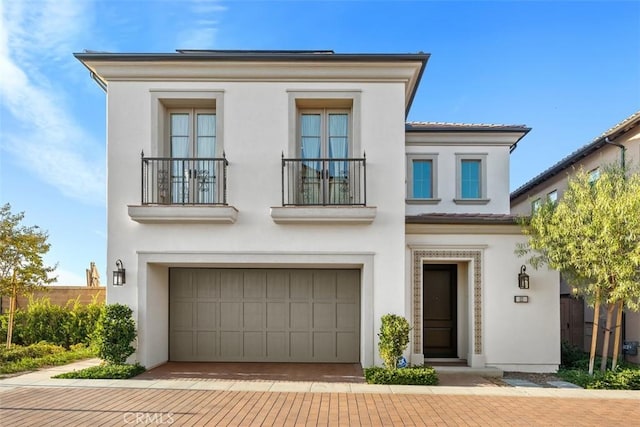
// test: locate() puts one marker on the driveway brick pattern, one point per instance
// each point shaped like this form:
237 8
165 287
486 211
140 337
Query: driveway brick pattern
87 406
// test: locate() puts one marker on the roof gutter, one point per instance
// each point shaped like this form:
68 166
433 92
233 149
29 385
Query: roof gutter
99 81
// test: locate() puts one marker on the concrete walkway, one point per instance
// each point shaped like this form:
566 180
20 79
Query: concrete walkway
42 378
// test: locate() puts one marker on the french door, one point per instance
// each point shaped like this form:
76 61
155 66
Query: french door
193 149
324 149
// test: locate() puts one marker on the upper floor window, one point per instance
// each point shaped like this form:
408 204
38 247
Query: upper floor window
324 134
471 178
594 174
535 205
553 196
421 178
192 133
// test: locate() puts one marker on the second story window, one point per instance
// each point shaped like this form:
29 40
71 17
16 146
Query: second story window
594 175
324 148
535 205
421 178
553 196
471 178
192 139
470 183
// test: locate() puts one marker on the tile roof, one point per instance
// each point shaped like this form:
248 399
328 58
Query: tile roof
462 218
447 126
600 141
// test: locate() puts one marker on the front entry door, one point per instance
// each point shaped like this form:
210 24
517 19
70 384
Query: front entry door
439 299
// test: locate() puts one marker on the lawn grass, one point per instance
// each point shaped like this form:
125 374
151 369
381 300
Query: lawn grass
29 358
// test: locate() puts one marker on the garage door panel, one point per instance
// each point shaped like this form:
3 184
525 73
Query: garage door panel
182 346
345 290
277 315
300 316
231 316
324 315
300 287
276 346
253 316
206 315
300 346
231 284
277 285
253 345
264 315
347 317
182 315
324 285
324 345
344 346
206 345
254 284
231 345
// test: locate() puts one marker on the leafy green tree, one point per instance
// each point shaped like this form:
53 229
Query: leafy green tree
394 337
592 236
22 269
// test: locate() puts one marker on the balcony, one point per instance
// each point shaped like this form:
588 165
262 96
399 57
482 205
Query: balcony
319 190
183 190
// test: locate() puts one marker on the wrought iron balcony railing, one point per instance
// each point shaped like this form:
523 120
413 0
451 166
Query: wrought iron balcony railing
184 181
324 182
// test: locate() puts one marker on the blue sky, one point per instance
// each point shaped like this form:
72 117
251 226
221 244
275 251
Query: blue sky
570 70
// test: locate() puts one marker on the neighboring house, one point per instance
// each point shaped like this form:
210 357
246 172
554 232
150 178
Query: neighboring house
273 205
618 144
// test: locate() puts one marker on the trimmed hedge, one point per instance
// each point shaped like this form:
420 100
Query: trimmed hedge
418 375
105 371
626 378
43 321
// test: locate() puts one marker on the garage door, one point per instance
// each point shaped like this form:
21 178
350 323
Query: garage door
264 315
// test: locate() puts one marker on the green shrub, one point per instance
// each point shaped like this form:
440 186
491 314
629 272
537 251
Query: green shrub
115 331
105 371
394 337
43 321
623 378
40 355
406 376
572 355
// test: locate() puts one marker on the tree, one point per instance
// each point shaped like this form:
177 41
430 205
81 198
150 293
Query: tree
592 236
394 337
22 269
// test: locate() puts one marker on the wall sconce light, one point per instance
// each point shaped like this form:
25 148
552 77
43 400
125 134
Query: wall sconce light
119 277
523 278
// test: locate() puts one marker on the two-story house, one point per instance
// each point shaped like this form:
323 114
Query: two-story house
273 205
618 145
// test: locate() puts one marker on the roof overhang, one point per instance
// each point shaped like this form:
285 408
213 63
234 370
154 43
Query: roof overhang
299 66
486 135
606 138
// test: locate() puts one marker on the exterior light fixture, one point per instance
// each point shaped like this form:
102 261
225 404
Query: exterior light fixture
119 277
523 278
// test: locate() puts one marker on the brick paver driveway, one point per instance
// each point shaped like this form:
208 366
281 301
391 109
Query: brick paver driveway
111 406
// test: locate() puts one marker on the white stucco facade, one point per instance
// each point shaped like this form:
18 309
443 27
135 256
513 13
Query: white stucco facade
256 102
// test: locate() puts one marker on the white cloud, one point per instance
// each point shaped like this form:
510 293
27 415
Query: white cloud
69 278
35 38
201 34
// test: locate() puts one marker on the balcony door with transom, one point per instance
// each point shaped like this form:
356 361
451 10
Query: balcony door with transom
324 144
193 149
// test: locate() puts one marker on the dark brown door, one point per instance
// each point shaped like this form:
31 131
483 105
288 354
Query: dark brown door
439 299
572 320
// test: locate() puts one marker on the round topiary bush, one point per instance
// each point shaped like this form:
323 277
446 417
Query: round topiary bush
115 332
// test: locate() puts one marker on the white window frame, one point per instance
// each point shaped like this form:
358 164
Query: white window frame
324 136
192 112
594 174
433 157
553 199
482 158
